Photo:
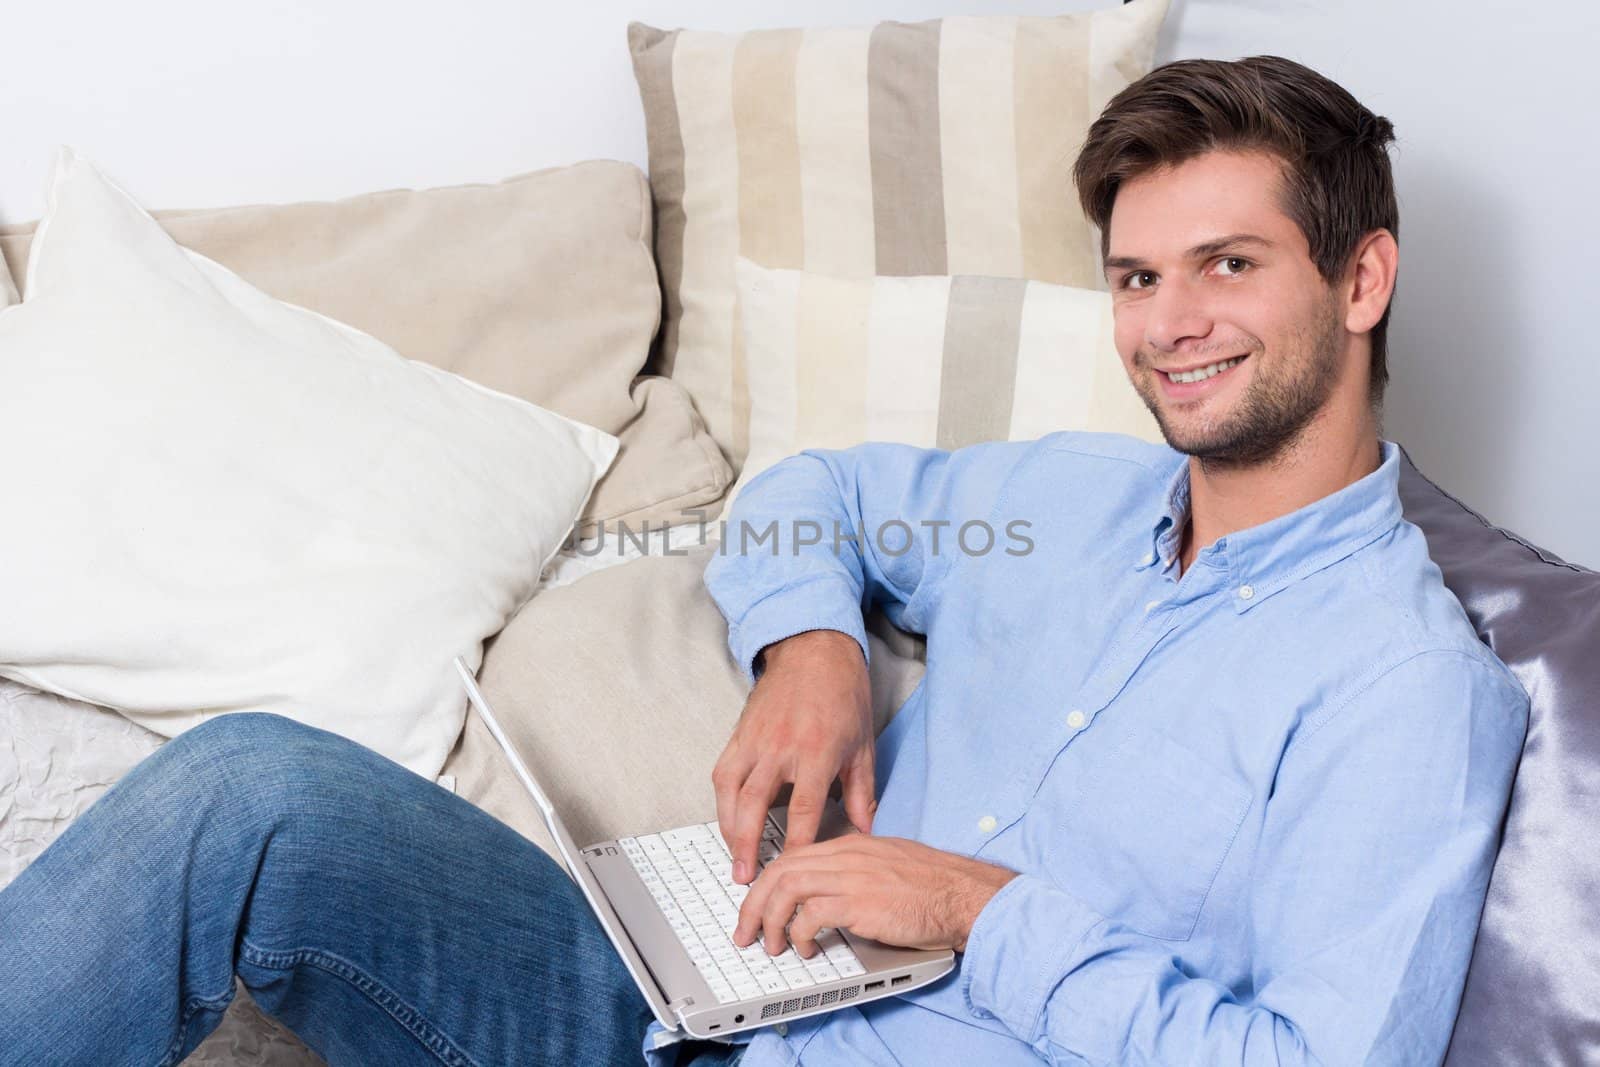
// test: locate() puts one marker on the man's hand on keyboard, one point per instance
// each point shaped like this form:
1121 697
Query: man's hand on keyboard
890 889
807 721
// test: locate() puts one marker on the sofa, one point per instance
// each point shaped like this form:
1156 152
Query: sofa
621 650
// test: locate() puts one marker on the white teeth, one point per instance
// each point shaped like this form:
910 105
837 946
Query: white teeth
1203 373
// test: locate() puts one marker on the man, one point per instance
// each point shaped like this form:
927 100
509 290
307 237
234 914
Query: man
1212 774
1215 772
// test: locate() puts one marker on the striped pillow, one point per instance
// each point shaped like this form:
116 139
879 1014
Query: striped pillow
940 147
930 361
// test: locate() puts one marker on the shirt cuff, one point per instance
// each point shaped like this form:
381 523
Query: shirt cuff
818 602
1019 950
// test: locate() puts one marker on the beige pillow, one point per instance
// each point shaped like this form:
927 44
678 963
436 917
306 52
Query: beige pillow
541 286
935 361
620 692
940 147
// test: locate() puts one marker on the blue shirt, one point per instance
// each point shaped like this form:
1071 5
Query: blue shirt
1254 807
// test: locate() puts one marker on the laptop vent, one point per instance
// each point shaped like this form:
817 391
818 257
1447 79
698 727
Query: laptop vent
784 1007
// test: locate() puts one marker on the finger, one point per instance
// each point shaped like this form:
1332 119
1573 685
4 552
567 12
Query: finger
817 914
790 890
752 801
748 924
860 796
833 846
732 768
805 807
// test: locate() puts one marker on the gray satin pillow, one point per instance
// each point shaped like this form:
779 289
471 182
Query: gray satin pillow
1533 989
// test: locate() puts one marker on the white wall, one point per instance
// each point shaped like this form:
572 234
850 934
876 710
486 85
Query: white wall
192 103
1492 353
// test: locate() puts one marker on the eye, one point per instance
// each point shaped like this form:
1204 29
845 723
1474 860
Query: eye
1139 279
1232 266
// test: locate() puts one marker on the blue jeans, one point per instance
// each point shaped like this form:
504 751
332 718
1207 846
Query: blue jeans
380 917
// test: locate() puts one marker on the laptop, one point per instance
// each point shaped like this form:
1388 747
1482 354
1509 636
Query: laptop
668 902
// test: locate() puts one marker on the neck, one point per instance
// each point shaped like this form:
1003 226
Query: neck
1224 496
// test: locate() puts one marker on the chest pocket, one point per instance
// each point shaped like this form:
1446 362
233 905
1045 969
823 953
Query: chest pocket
1143 839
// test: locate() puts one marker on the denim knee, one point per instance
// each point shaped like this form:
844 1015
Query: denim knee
249 731
253 757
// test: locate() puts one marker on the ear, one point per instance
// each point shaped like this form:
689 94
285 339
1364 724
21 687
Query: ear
1371 282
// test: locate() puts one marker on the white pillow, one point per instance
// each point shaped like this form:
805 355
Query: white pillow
215 501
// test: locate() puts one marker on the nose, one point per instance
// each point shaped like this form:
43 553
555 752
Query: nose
1176 313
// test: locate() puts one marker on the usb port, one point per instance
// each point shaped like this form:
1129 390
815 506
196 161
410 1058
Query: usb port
900 979
874 985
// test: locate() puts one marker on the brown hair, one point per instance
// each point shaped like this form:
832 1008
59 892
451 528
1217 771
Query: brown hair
1338 186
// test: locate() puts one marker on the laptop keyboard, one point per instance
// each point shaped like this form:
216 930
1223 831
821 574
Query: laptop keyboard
690 874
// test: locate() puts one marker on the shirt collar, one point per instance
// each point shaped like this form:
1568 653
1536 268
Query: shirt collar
1263 559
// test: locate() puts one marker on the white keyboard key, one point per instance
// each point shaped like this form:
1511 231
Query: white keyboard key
789 960
722 991
819 968
837 952
799 979
849 968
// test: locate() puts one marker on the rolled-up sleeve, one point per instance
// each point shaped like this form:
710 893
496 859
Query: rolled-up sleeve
819 538
1377 843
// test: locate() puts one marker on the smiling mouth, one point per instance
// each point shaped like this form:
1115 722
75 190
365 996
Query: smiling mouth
1200 374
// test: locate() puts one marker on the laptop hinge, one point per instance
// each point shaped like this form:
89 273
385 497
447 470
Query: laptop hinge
680 1009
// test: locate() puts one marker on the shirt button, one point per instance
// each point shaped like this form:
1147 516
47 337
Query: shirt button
1147 559
987 824
1148 608
783 1029
1076 719
1245 592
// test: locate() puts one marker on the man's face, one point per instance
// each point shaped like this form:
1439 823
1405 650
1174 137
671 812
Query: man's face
1224 325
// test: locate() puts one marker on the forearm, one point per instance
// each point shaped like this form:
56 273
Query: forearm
1372 863
767 583
791 558
818 538
1080 988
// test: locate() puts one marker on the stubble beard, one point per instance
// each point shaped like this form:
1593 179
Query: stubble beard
1282 398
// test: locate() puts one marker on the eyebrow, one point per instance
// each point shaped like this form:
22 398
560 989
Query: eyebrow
1204 250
